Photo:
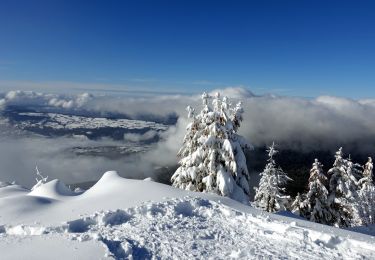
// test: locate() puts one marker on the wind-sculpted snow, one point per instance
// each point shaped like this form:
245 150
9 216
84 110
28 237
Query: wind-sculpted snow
54 189
129 219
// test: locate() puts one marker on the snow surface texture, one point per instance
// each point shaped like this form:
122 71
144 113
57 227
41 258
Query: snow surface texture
132 219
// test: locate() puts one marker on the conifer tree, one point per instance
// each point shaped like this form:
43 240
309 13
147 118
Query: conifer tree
270 195
367 178
316 202
212 154
298 206
366 202
343 192
355 170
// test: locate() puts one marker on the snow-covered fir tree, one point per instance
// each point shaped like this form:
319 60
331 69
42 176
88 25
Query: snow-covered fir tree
270 195
367 178
316 202
212 154
343 195
40 179
298 206
366 202
355 170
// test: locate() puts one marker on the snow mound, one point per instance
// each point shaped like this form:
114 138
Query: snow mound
108 181
108 177
54 189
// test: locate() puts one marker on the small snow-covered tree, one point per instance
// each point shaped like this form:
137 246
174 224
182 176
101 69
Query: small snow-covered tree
366 202
298 206
355 170
212 154
270 195
343 192
316 202
40 179
367 179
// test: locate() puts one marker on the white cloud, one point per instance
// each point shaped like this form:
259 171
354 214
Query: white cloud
19 97
18 157
234 92
323 123
134 137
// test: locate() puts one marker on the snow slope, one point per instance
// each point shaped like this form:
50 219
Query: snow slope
121 218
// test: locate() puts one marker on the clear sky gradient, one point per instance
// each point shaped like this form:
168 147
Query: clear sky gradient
297 48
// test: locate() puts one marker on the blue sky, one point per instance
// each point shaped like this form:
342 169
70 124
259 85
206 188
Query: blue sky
297 48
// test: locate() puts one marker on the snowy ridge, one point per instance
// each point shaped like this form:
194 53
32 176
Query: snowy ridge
123 219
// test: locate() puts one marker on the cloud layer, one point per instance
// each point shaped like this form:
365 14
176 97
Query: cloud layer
18 158
323 123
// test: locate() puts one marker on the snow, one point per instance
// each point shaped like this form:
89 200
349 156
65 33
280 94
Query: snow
54 189
135 219
26 247
61 121
10 190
